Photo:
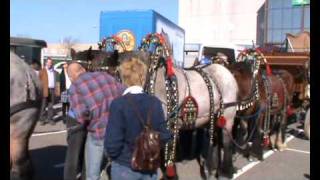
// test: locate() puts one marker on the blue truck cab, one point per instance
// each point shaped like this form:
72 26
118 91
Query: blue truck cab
133 25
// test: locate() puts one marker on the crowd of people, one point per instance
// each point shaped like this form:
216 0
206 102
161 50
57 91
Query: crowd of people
102 125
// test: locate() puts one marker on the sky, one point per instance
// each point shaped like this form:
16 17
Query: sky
53 20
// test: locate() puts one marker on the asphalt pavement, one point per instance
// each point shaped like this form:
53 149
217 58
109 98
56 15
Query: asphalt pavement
48 147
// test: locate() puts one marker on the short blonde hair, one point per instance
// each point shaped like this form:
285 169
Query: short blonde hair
133 72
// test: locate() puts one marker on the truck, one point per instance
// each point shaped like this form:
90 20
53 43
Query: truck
133 25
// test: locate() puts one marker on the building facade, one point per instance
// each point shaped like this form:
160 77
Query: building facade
276 18
219 21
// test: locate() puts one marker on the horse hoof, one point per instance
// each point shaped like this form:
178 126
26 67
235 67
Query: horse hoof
223 178
282 148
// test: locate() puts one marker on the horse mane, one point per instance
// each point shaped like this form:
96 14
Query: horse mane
242 67
109 59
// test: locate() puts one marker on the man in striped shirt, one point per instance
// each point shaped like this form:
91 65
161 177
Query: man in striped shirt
91 94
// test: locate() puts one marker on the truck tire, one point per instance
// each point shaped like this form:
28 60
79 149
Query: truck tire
307 125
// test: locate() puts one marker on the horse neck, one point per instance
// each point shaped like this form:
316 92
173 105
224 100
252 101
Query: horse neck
245 81
159 86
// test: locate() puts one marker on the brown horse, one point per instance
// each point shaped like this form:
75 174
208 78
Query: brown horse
263 100
25 102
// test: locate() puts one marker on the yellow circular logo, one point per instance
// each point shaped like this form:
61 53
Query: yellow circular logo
128 39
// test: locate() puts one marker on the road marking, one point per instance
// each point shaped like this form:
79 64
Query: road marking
252 164
59 165
296 150
48 133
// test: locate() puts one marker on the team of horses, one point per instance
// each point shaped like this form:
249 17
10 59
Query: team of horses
213 110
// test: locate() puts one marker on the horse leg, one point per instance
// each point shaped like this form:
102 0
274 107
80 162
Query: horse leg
226 169
209 158
281 145
273 131
21 127
257 142
21 166
205 172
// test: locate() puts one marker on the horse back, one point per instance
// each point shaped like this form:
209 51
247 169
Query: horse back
23 78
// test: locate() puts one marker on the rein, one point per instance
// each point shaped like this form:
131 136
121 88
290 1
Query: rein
24 105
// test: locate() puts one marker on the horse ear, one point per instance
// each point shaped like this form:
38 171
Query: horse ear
114 58
89 54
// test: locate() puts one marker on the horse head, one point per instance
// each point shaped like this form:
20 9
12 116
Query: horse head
256 58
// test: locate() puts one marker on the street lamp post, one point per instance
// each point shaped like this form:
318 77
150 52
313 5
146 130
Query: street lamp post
302 18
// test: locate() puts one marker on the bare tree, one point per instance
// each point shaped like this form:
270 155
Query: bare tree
68 43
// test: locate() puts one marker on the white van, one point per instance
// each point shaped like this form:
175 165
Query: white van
199 51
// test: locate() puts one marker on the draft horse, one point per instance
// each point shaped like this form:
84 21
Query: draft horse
262 102
25 102
195 105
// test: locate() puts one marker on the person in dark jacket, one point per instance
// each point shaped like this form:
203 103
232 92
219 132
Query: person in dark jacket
64 89
124 126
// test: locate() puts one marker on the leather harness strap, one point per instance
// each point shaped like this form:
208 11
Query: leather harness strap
24 105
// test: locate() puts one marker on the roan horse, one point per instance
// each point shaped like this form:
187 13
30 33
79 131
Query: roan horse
263 99
206 126
25 102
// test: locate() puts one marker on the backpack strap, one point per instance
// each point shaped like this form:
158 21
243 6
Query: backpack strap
130 100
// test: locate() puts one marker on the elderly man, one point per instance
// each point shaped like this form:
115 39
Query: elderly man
50 83
91 94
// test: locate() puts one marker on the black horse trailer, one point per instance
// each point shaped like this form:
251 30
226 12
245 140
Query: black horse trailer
26 48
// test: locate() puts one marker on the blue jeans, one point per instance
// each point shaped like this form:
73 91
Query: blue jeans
93 157
120 172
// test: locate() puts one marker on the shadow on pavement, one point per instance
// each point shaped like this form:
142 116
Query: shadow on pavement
297 134
48 162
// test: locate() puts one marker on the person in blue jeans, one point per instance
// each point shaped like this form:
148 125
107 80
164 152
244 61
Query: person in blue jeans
91 94
124 126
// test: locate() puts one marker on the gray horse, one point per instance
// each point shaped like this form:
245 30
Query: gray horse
25 102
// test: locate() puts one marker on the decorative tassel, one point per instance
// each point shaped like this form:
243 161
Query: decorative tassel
221 122
170 71
289 110
171 170
269 71
266 141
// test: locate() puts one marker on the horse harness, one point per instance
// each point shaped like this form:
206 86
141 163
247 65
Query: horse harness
188 110
28 103
273 101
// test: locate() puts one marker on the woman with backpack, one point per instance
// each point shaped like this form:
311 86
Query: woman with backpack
136 129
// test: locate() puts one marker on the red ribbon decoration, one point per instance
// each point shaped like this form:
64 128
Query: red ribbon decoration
289 110
171 170
170 71
269 71
221 122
